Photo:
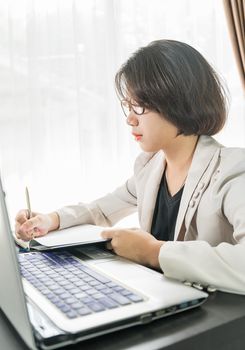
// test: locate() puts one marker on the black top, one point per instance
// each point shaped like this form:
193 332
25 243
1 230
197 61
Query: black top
165 212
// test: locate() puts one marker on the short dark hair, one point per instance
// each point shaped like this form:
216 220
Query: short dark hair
175 80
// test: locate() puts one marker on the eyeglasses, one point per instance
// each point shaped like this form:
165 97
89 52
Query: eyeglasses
128 106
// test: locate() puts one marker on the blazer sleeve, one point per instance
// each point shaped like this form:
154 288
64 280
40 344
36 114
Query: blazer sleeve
222 266
107 210
196 261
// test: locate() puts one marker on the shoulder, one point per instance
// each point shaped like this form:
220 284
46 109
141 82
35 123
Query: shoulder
232 158
230 174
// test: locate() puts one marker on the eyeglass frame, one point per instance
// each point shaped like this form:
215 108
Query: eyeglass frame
131 107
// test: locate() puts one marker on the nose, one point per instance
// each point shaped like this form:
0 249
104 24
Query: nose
132 119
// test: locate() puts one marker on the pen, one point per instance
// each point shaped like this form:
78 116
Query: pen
28 203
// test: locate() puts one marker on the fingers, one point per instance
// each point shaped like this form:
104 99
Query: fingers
22 216
17 235
28 229
109 246
108 234
31 224
37 226
114 236
26 236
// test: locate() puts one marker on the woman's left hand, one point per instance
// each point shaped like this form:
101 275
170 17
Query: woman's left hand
134 244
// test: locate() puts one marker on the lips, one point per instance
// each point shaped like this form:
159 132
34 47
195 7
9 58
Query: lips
137 136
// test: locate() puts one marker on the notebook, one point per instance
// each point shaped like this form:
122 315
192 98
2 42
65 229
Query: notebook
72 236
60 297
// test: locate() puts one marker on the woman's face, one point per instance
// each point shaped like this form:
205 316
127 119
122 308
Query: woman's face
152 131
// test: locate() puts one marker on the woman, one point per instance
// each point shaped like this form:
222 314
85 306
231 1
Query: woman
188 189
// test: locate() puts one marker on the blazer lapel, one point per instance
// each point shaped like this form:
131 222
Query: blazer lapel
204 153
151 186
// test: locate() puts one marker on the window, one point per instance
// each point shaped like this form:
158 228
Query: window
62 131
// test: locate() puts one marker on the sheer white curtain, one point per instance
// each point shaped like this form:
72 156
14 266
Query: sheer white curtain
62 132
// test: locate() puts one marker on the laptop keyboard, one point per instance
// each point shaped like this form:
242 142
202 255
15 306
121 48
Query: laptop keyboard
73 287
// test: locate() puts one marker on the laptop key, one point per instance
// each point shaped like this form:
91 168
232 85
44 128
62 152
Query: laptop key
71 300
65 296
100 286
125 292
120 299
54 287
95 306
98 295
76 272
91 291
74 291
58 278
48 283
106 291
73 279
65 308
71 314
44 279
79 283
94 274
85 287
37 284
80 295
50 295
86 300
108 303
44 291
84 311
111 284
72 260
54 299
59 303
117 288
135 298
59 291
69 286
50 273
76 305
88 279
30 278
63 282
94 283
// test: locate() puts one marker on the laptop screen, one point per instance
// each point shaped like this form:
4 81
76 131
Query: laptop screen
11 292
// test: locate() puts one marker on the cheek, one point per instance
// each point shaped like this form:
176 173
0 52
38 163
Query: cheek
154 140
155 135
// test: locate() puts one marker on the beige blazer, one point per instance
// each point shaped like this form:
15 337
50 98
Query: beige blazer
209 245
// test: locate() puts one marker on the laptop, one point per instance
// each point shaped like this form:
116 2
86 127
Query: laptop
60 297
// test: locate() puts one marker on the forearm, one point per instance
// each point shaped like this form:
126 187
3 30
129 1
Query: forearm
105 211
152 258
54 221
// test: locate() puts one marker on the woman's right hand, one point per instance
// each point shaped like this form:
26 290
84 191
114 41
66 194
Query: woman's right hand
37 226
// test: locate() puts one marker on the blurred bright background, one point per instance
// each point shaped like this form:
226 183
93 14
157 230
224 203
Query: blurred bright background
62 131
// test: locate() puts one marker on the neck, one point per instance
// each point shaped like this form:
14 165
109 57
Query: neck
179 154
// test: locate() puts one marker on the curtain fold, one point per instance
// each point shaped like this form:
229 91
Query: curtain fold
234 10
